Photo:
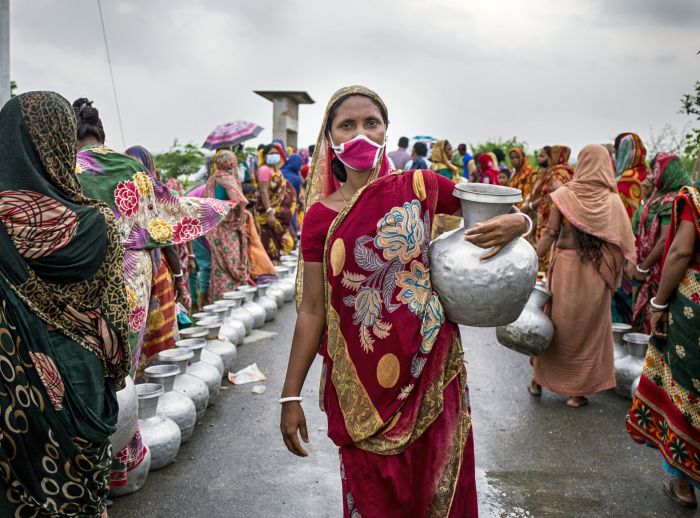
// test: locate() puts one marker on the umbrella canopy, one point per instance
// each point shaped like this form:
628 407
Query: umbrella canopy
231 134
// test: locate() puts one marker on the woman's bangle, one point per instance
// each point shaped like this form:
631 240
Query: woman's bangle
641 270
192 256
268 210
658 307
290 399
529 224
177 275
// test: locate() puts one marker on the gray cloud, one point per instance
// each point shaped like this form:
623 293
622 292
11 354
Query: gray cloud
544 71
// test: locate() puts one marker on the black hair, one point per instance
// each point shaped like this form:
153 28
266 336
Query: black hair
269 148
261 146
500 155
589 247
403 142
337 166
88 120
420 148
312 148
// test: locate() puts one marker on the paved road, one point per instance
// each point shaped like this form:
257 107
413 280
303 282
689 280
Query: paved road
535 457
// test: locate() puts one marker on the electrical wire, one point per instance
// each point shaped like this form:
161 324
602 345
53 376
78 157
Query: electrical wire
111 74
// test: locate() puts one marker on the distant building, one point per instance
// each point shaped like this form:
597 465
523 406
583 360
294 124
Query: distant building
285 113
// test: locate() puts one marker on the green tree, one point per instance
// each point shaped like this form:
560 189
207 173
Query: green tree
180 160
690 105
505 144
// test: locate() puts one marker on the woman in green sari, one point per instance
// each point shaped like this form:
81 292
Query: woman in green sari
63 319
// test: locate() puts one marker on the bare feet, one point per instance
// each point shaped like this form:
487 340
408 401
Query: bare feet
534 389
681 492
576 401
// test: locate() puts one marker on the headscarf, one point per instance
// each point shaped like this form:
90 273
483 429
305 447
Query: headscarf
630 153
141 154
224 172
488 168
591 203
291 170
521 177
321 181
439 160
57 235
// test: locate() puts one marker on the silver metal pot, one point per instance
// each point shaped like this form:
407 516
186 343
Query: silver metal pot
274 292
268 303
255 309
137 476
627 369
238 312
207 373
637 344
635 386
232 329
128 416
172 404
160 433
285 284
480 293
533 331
191 386
200 332
619 330
216 344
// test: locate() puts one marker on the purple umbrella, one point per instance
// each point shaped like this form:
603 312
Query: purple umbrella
231 134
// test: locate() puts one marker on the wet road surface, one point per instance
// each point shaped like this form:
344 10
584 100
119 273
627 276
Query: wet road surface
534 457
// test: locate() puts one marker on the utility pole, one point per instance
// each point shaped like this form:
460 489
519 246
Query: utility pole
4 51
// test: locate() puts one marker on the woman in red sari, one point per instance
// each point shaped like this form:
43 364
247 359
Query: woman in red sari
394 385
489 171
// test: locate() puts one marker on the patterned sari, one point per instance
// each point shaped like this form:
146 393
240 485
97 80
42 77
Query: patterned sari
394 385
230 263
665 412
277 238
669 177
63 319
523 178
148 217
631 168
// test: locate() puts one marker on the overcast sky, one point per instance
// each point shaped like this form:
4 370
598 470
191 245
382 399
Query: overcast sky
547 71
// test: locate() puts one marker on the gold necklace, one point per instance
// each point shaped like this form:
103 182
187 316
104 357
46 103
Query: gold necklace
342 195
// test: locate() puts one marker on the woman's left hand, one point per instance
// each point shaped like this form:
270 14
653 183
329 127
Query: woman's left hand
496 233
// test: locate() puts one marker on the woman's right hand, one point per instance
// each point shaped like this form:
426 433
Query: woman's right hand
291 421
659 324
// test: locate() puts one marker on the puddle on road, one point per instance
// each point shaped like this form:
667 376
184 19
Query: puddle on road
529 494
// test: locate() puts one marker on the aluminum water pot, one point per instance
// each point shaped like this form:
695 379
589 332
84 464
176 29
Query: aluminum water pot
209 357
266 302
128 416
285 284
274 292
160 433
207 373
533 331
191 386
218 345
137 476
238 312
258 312
637 344
219 310
172 404
232 329
618 331
480 293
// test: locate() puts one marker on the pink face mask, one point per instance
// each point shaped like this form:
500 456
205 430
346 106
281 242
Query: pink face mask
360 153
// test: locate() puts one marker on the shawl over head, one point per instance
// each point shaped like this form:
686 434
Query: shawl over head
591 201
630 153
439 159
144 156
61 251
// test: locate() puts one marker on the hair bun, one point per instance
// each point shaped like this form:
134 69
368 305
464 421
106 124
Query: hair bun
84 109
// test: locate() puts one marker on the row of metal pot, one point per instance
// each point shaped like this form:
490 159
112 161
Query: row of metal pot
187 379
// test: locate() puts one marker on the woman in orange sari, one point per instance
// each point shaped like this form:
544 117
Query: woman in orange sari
631 165
524 176
394 385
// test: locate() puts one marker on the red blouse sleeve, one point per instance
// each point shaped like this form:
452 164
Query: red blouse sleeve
687 213
446 203
317 221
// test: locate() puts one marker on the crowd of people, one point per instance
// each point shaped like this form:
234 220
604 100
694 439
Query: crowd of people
104 260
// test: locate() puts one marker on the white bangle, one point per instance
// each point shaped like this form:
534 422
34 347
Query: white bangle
177 275
269 209
657 306
289 399
529 223
640 270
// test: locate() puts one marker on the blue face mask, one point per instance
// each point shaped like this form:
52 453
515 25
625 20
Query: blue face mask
272 159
